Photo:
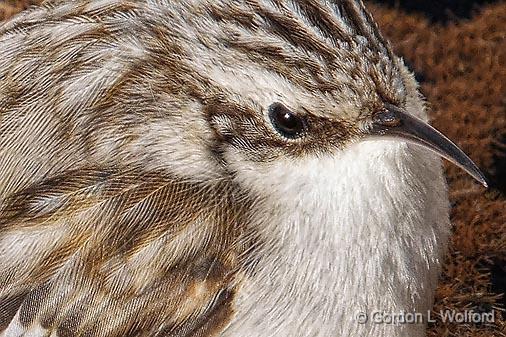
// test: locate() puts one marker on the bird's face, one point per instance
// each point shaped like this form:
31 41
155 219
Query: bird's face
281 88
276 131
283 83
266 115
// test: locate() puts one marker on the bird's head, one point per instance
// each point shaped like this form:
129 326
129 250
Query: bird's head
279 83
300 80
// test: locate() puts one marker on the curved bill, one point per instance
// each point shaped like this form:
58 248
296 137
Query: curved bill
397 123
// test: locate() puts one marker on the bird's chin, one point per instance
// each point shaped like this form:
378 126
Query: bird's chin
360 169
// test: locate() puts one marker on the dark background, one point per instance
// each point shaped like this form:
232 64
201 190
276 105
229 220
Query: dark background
438 11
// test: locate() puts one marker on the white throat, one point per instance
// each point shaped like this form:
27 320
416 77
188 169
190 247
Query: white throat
363 231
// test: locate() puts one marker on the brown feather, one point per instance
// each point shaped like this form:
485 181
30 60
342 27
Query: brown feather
157 249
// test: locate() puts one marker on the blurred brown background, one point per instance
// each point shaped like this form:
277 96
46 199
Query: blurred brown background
457 50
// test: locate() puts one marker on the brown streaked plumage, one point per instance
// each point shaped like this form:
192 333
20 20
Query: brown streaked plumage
114 258
148 187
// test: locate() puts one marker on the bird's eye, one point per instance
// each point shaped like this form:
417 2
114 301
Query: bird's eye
286 122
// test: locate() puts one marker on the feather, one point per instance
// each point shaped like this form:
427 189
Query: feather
118 251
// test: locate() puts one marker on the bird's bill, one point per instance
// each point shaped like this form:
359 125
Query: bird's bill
396 123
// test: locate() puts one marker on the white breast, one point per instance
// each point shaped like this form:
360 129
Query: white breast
363 231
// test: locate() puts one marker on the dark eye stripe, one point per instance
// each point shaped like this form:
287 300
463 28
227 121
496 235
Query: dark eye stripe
287 123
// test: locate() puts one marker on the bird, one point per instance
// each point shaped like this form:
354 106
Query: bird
202 168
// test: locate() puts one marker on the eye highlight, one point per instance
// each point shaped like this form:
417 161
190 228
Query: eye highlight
288 124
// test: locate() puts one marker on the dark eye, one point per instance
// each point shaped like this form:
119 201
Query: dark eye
286 122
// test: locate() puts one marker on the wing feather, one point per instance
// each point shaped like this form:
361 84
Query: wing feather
122 252
95 239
